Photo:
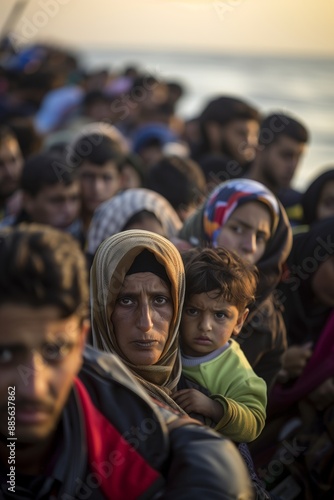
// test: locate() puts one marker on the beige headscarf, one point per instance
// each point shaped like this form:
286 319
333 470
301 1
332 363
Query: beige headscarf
113 259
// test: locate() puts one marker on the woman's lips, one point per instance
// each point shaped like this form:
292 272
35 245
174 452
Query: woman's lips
146 344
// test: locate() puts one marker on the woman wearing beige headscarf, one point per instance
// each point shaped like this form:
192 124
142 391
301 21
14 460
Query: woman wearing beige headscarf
137 293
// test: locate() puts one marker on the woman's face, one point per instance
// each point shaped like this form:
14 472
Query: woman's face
142 318
323 283
247 231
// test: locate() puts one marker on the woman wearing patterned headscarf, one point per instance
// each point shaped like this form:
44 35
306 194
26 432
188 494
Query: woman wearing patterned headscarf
244 216
137 293
133 208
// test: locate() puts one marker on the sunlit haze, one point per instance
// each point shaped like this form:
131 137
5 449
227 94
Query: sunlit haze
284 27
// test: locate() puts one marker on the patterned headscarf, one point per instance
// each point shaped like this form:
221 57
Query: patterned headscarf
112 215
203 227
228 196
112 261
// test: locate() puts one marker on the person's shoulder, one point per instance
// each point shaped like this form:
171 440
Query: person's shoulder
289 196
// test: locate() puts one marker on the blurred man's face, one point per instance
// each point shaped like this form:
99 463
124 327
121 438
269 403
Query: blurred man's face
57 206
11 163
237 139
279 161
240 139
40 355
98 183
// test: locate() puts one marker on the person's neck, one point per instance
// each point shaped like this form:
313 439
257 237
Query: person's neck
86 217
30 459
255 174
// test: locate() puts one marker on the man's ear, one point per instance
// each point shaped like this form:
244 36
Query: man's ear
241 319
213 131
84 331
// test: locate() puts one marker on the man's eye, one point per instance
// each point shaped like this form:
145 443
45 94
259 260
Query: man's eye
56 352
6 355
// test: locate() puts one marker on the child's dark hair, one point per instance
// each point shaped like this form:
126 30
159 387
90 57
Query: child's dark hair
211 269
41 266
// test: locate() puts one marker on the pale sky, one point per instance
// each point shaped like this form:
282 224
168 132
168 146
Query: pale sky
296 27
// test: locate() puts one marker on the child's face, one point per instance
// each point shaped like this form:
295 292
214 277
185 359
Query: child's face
207 323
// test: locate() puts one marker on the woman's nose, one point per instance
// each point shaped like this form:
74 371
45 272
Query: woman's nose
145 322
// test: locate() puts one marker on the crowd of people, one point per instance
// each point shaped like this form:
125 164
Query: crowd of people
166 295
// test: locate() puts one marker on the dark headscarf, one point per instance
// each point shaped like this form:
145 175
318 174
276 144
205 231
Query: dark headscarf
305 320
310 198
303 316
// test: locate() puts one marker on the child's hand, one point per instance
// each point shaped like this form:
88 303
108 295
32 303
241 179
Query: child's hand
192 400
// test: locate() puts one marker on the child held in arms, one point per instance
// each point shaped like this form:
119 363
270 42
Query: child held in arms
220 384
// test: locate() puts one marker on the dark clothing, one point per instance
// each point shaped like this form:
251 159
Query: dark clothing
310 199
292 202
263 340
115 442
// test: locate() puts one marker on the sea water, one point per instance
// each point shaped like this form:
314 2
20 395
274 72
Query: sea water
303 87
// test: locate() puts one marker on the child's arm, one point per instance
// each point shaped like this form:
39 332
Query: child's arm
194 401
244 411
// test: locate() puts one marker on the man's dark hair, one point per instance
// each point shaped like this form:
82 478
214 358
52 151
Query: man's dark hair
277 125
42 170
180 180
93 97
217 269
41 266
96 148
226 109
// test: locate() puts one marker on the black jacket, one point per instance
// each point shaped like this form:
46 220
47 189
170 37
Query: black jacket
188 461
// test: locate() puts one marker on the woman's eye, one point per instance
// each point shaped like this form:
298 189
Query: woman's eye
124 301
161 300
236 229
262 238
